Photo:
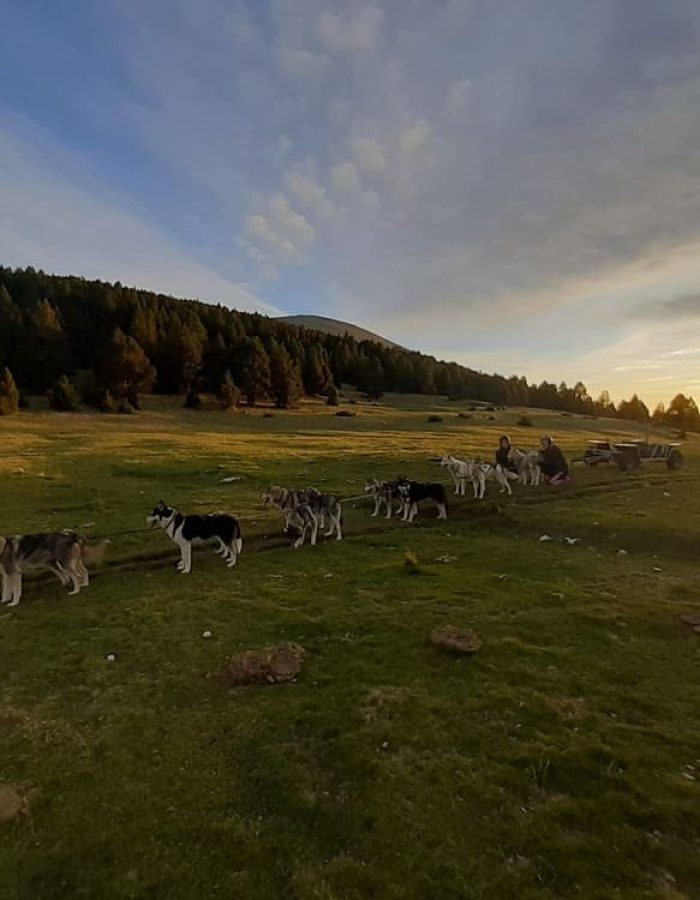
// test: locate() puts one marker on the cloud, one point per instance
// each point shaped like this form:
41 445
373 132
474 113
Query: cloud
310 194
55 217
687 306
353 29
369 154
279 235
415 137
459 96
345 176
301 62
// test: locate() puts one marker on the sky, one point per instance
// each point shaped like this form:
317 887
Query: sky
512 184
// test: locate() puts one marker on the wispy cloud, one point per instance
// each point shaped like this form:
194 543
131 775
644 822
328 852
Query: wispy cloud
52 222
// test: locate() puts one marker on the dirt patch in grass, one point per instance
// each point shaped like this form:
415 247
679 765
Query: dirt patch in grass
13 801
269 665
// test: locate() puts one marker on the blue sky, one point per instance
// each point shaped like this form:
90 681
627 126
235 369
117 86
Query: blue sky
515 185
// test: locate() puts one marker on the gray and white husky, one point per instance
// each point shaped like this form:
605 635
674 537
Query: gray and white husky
184 530
384 493
305 512
64 552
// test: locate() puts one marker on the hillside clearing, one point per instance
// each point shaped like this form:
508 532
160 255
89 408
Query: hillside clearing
561 760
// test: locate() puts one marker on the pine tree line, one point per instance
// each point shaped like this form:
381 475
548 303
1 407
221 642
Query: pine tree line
106 344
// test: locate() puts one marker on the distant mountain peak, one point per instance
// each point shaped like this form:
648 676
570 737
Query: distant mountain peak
335 326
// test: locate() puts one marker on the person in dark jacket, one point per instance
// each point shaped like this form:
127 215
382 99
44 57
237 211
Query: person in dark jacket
553 463
503 455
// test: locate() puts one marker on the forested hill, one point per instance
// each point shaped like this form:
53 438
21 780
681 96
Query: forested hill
53 325
100 336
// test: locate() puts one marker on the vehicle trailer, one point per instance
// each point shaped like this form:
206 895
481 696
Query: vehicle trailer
628 455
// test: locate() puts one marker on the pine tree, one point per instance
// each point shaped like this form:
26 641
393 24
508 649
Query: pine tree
125 368
47 353
285 380
317 373
228 394
10 328
371 377
63 395
256 371
180 356
9 395
332 395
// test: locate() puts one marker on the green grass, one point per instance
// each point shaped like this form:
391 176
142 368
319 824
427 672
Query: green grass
554 763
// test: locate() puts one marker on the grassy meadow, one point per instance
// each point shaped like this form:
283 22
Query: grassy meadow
563 760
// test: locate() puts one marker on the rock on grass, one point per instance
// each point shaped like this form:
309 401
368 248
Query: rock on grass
268 665
12 802
457 640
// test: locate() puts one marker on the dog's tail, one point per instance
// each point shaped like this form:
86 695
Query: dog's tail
93 555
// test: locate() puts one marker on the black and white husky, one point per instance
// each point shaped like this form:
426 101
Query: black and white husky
412 492
185 530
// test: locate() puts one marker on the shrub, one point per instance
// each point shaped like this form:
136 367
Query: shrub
524 422
332 396
132 396
63 395
464 415
228 395
106 403
490 408
268 415
435 418
9 395
345 413
192 399
91 392
23 401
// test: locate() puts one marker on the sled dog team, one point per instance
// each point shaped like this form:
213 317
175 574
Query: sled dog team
305 511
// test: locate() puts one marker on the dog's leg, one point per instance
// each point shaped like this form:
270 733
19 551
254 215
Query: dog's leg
482 485
232 554
76 584
442 510
6 584
314 532
61 574
15 589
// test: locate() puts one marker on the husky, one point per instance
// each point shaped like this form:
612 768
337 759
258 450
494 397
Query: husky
318 503
65 553
301 520
464 470
327 505
184 530
498 474
527 463
413 492
384 493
